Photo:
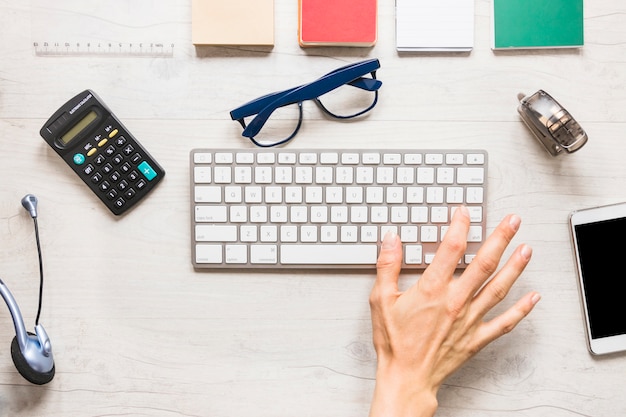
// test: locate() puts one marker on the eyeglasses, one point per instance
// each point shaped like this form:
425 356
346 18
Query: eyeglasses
344 78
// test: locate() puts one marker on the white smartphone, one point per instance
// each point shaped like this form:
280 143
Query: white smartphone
599 247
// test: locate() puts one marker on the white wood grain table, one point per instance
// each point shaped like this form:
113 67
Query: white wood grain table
135 331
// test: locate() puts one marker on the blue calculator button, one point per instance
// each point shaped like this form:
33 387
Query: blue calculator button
79 159
147 171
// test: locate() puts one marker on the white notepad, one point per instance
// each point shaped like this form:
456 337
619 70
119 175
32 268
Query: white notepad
434 25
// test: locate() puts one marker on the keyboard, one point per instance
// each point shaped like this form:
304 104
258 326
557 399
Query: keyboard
330 209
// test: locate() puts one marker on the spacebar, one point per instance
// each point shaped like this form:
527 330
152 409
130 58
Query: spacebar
328 254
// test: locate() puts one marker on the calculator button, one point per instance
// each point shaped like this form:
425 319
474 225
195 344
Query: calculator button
107 168
113 133
133 176
122 185
96 178
102 142
120 202
115 177
79 159
120 140
130 193
105 186
117 159
141 184
91 151
112 194
126 167
147 171
110 150
100 159
135 158
129 149
89 169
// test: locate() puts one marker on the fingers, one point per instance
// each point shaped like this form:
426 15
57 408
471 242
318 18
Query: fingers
388 266
507 321
497 289
452 247
488 257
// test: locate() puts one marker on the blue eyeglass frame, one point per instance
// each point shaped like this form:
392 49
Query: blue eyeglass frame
263 107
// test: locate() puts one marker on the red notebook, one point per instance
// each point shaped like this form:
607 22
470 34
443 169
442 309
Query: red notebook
337 22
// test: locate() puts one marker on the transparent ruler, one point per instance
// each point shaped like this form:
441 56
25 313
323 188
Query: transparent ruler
105 28
104 48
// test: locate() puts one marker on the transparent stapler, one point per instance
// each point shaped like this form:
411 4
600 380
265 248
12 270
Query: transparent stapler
553 126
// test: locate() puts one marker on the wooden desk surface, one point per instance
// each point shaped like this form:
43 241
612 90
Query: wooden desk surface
136 331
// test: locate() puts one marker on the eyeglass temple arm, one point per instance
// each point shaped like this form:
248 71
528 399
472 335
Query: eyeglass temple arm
368 84
254 106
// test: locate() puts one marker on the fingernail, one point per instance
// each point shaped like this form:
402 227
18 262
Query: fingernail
535 298
515 221
390 240
526 252
464 211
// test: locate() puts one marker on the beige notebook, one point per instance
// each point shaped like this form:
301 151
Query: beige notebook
232 22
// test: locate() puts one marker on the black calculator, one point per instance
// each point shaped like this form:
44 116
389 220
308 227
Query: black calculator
95 144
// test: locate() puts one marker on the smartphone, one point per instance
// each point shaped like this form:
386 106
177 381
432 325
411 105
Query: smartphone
599 247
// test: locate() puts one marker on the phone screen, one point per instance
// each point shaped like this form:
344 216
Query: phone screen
601 250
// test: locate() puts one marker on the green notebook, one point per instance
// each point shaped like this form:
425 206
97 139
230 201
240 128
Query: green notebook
537 24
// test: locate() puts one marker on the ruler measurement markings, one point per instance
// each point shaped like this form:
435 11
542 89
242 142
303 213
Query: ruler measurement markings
149 49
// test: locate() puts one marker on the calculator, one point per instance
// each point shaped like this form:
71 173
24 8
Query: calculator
94 143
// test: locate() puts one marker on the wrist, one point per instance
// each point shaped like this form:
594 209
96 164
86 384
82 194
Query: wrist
400 394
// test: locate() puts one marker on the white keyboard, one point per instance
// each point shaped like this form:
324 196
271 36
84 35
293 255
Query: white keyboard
330 208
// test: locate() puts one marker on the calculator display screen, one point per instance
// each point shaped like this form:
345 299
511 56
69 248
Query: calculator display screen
78 127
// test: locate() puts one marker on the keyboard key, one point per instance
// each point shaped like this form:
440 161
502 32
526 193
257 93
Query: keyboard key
371 158
454 158
286 158
223 158
425 175
244 158
202 157
475 159
321 254
207 194
470 175
350 158
216 233
266 158
433 159
209 254
413 254
216 214
392 159
329 158
263 254
413 158
236 254
308 158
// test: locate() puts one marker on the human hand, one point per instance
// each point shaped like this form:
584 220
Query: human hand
423 335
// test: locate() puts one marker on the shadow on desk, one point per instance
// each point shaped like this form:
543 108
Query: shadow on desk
226 51
20 397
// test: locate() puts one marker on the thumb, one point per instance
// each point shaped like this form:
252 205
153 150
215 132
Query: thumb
389 263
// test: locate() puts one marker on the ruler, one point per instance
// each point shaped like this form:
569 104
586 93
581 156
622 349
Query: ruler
97 48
